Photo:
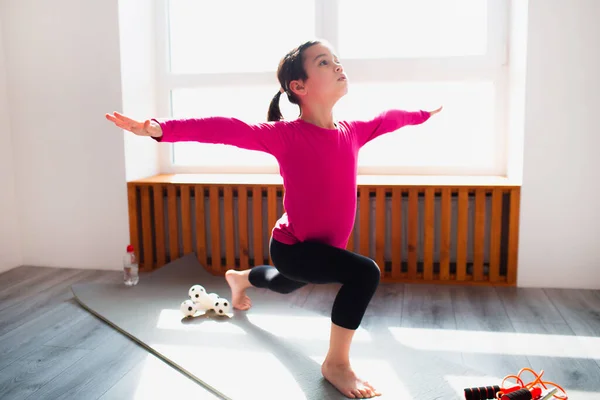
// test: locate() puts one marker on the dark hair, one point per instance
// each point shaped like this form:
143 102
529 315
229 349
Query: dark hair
291 67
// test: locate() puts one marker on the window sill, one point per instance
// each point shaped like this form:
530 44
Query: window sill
363 180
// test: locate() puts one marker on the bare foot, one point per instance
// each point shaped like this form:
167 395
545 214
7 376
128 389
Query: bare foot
238 282
344 380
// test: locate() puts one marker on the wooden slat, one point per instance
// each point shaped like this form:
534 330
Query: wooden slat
445 233
495 235
159 225
147 228
257 222
186 220
380 228
173 223
200 226
461 234
271 211
396 232
134 234
513 235
429 225
364 234
479 235
243 226
228 213
215 229
413 231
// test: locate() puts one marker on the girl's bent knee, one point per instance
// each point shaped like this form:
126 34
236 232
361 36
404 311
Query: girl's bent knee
371 273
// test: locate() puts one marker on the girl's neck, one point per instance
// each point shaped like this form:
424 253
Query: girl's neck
322 117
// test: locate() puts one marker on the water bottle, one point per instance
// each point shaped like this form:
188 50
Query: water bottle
130 267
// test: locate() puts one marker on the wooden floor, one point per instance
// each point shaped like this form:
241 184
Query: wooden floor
51 348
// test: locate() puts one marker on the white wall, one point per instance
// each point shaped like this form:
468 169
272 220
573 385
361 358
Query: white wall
10 236
560 219
62 58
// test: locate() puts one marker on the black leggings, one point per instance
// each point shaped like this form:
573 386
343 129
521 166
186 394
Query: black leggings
310 262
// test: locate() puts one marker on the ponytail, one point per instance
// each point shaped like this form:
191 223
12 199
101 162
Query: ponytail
274 111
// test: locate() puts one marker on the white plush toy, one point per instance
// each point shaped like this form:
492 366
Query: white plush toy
202 301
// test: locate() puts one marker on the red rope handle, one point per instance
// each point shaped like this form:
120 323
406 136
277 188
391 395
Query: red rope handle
521 385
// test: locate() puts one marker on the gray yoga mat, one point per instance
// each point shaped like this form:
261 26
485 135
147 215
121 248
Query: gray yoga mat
272 351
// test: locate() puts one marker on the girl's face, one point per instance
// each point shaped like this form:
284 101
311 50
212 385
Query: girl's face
326 81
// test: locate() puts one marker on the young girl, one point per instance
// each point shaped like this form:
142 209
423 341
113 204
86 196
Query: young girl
317 156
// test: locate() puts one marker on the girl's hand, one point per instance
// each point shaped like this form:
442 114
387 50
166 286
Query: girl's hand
146 128
435 111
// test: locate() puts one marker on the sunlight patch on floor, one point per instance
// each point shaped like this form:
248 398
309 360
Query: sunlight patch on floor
160 381
309 329
301 327
507 343
194 359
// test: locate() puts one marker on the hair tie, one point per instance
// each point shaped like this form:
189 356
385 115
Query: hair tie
281 90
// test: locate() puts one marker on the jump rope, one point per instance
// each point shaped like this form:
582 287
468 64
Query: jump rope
519 391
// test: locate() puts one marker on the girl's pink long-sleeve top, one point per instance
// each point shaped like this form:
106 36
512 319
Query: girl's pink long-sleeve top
318 165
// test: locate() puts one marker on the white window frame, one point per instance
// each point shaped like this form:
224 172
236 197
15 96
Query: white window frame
491 66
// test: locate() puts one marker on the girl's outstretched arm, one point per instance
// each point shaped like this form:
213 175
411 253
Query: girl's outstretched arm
264 137
389 121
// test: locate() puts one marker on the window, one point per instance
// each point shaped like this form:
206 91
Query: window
220 58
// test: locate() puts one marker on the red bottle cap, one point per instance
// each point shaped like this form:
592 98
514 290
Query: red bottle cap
130 248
